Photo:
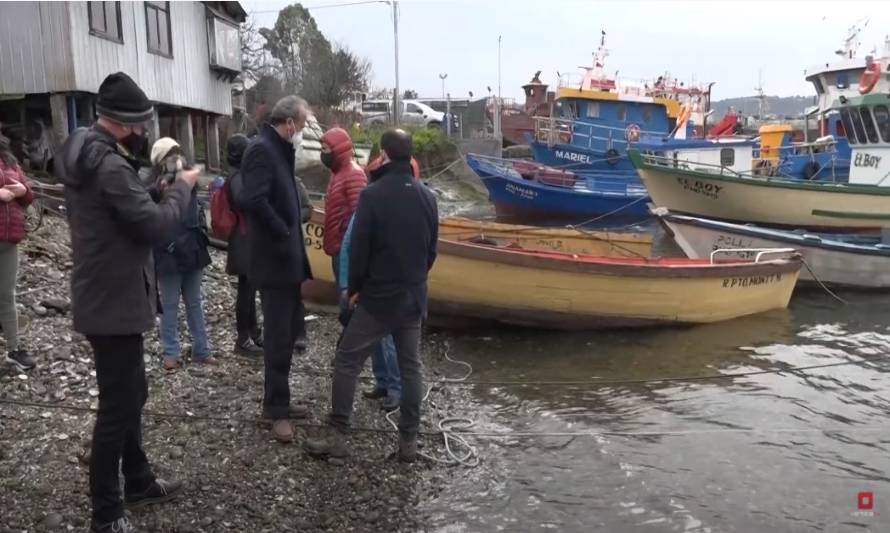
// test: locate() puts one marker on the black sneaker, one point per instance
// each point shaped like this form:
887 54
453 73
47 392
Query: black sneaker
257 337
121 525
301 344
21 359
374 394
248 348
159 492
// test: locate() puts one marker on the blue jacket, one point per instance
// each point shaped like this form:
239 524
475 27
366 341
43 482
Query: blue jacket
344 256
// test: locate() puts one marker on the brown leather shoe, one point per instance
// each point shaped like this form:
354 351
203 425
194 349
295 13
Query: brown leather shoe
283 431
171 365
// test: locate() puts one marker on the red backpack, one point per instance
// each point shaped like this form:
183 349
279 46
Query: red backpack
223 219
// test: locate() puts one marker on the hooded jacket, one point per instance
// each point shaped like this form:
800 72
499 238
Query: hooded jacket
12 213
114 225
347 181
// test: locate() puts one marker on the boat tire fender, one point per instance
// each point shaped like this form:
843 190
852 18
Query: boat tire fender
612 156
810 170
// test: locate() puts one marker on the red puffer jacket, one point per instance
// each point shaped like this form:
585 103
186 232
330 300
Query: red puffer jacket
12 214
347 181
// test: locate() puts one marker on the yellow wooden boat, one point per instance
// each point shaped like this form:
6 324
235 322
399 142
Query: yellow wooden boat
568 291
600 242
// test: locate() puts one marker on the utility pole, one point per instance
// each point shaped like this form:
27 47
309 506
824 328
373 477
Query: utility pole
497 108
442 77
397 108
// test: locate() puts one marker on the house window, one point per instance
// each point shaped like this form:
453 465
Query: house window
225 44
727 157
157 23
105 20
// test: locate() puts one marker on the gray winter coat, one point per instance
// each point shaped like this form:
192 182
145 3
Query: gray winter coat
114 225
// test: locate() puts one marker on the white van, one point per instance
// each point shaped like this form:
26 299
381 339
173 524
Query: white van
413 113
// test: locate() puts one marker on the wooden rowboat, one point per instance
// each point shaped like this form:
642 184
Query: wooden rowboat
602 242
830 207
856 261
553 290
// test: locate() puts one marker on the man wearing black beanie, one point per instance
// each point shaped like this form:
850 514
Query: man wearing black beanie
114 225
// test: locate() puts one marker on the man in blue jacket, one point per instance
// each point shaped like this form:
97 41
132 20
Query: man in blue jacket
392 248
278 263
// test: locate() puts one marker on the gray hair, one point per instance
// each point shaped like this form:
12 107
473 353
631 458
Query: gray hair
289 107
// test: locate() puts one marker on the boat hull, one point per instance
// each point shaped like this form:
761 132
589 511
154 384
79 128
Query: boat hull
783 203
575 158
516 197
604 243
483 284
835 263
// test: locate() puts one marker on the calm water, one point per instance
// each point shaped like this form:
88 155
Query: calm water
717 476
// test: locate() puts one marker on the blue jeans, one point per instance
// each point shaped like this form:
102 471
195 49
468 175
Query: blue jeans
171 286
385 365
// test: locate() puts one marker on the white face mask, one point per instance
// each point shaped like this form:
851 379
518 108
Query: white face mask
297 139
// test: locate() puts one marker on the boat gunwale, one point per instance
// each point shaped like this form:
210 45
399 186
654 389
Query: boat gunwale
770 234
564 262
824 187
468 224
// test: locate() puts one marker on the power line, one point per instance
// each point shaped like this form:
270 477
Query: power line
323 6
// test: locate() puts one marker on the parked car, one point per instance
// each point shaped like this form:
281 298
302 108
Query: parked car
413 113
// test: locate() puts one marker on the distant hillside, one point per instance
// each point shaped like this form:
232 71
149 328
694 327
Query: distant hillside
781 106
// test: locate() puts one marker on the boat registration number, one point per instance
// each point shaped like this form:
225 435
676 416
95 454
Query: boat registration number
313 235
703 188
751 281
522 192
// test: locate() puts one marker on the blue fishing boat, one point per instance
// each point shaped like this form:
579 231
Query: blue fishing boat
597 117
525 189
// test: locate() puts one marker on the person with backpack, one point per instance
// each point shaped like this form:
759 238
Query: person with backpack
249 340
180 265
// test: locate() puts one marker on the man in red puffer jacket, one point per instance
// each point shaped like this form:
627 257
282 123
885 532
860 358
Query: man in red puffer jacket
347 181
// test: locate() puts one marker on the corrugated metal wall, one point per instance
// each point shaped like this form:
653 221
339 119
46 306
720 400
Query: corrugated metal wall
35 51
47 47
185 80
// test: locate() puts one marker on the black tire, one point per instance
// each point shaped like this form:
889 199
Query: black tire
811 169
33 217
612 156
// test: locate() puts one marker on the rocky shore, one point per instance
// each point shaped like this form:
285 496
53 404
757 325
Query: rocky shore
201 425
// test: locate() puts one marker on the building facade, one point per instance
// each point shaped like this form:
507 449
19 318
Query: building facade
54 56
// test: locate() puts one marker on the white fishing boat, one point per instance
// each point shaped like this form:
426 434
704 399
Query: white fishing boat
853 261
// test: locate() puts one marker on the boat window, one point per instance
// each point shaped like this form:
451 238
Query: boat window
869 123
842 80
727 157
848 126
857 125
621 113
593 110
882 116
647 114
817 82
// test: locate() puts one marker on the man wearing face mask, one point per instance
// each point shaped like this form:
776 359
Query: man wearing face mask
278 264
347 181
114 225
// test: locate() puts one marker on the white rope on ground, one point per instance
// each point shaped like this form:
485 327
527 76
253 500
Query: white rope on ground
450 426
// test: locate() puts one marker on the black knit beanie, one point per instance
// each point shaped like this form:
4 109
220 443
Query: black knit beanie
235 148
121 100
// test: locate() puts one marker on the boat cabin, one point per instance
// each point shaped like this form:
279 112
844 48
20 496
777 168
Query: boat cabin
867 121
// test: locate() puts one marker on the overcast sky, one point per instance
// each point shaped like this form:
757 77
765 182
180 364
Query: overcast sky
726 42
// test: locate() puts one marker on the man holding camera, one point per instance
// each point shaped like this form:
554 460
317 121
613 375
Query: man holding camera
114 225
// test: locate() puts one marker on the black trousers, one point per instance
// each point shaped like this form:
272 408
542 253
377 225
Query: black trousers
283 321
117 436
245 309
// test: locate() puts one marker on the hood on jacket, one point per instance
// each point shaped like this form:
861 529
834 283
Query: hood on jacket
235 148
81 155
338 140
